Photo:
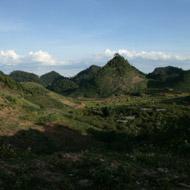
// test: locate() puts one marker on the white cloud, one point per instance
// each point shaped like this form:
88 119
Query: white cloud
9 58
148 55
40 58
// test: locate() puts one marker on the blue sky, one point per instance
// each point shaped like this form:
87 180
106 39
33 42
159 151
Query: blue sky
68 36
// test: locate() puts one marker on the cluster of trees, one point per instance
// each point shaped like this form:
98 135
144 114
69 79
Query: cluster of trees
168 129
170 77
21 76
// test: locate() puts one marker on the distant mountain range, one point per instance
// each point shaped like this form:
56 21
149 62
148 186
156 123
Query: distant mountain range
115 78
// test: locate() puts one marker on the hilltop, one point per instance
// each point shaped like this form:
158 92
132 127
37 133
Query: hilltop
86 75
22 76
48 78
170 77
115 78
119 77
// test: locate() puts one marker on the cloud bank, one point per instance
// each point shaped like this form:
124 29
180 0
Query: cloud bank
148 55
39 58
41 62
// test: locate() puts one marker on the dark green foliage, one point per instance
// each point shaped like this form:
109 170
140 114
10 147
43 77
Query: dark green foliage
1 73
170 77
80 85
182 82
7 82
7 152
34 88
115 78
48 78
22 76
119 77
165 73
86 75
63 85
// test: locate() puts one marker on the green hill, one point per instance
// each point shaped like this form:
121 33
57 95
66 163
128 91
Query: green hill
86 75
48 78
22 76
115 78
182 82
119 77
63 85
7 84
170 77
165 73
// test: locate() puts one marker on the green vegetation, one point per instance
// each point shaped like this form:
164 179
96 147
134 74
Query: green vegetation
48 78
21 76
165 73
182 82
1 73
63 85
170 78
8 83
119 77
115 78
86 75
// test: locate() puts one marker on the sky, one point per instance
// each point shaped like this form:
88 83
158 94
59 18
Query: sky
68 36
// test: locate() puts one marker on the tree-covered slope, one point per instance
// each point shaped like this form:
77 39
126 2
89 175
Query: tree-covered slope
165 73
182 82
86 75
170 77
22 76
115 78
7 84
63 85
48 78
119 77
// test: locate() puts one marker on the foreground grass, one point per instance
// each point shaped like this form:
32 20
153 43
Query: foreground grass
96 169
